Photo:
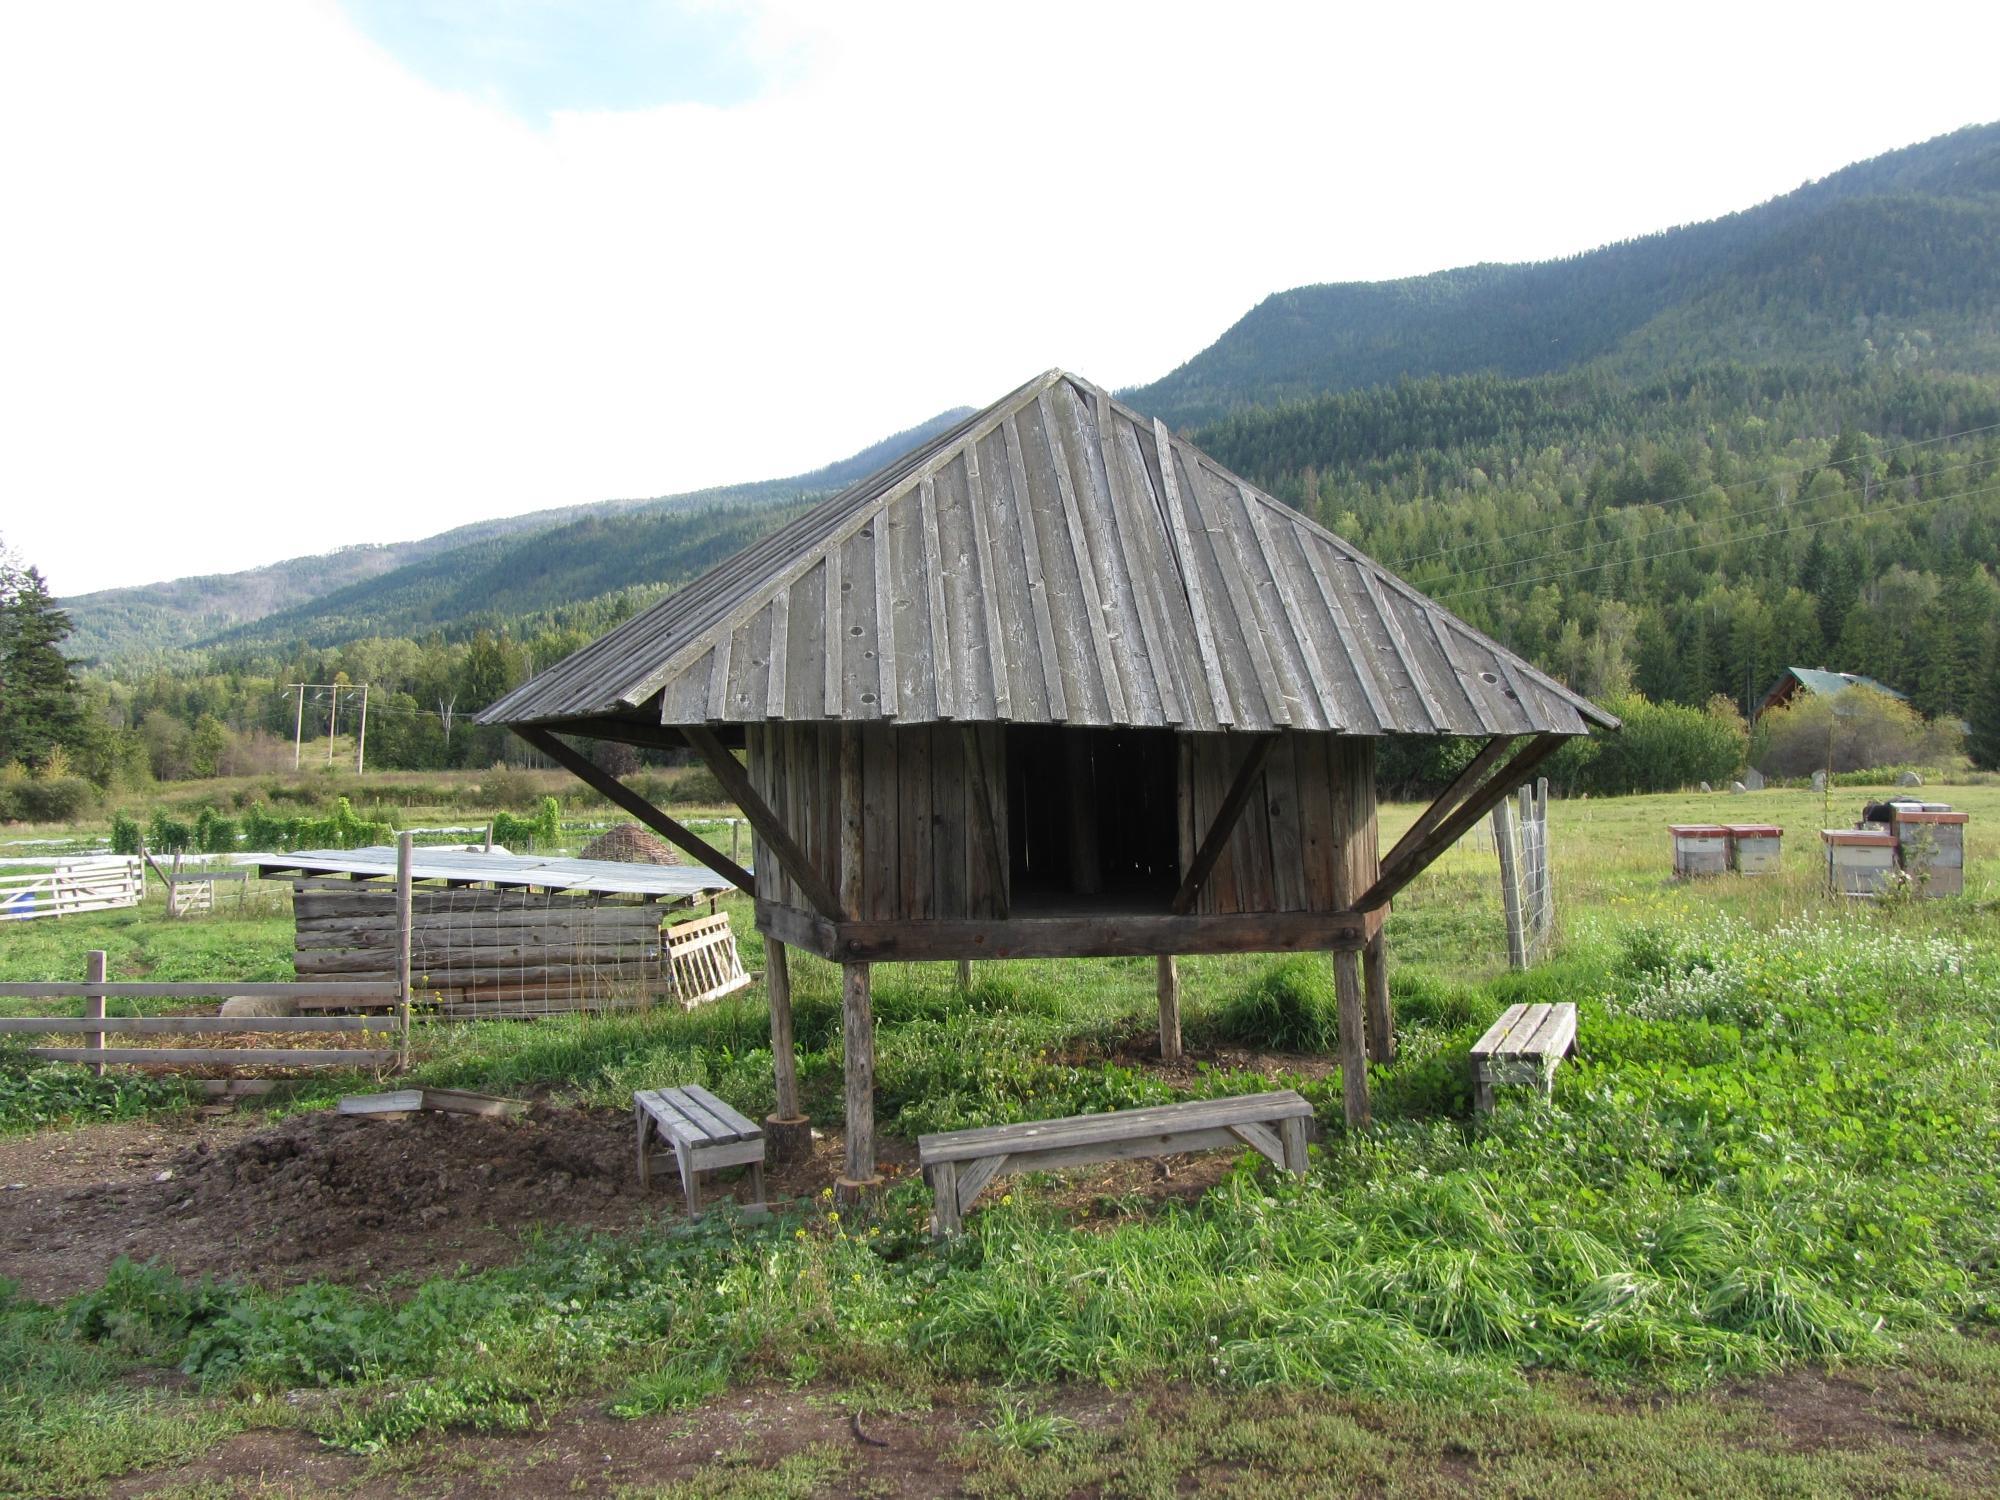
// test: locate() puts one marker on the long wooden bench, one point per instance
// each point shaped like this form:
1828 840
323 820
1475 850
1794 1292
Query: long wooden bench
1523 1046
958 1164
705 1133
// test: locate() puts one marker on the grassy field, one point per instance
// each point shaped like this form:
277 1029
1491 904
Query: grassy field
1751 1243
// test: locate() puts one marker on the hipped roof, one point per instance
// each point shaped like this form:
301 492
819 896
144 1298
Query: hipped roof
1056 559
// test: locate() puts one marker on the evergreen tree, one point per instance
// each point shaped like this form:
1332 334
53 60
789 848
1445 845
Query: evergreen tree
41 705
1983 744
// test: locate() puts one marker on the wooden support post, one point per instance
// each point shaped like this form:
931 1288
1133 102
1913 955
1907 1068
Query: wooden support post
857 1031
964 975
1381 1017
404 854
1170 1009
1293 1133
93 1005
857 1012
1353 1038
1510 884
786 1128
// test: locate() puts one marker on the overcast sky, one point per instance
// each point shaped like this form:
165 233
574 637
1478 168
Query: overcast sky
286 275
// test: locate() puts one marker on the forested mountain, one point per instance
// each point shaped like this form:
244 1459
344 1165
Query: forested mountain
1889 261
530 562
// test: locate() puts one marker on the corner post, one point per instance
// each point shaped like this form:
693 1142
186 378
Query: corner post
786 1128
404 855
1170 1009
857 1012
93 1005
1353 1040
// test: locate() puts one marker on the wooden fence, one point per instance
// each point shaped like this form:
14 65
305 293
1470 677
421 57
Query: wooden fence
1525 892
97 883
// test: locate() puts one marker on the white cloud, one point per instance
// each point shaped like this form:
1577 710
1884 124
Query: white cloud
267 293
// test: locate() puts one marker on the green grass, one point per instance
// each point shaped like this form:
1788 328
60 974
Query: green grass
1777 1147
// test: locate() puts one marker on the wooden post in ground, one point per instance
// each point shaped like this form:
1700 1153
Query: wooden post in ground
857 1014
964 975
1510 883
1353 1036
1381 1016
1170 1009
786 1128
93 1005
404 854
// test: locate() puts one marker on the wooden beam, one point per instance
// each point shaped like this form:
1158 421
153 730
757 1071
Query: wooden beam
1097 935
1226 818
1461 785
1448 832
1353 1038
1170 1008
610 787
777 838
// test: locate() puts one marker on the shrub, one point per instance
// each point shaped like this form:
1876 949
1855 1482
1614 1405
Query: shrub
125 834
1853 731
1663 747
167 834
46 799
1290 1007
213 833
519 834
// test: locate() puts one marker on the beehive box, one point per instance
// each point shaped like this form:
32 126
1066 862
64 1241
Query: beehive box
1754 848
1930 845
1859 861
1699 849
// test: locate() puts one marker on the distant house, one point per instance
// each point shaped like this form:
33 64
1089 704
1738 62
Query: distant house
1795 680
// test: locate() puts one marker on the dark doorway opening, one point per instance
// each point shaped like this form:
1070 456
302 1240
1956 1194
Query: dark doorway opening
1093 817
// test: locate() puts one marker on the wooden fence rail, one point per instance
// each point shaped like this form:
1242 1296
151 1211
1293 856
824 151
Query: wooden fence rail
100 883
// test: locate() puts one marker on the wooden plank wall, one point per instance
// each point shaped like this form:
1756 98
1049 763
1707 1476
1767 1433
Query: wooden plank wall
1306 842
476 945
934 815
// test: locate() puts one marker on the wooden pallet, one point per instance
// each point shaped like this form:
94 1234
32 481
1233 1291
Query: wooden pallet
704 960
959 1164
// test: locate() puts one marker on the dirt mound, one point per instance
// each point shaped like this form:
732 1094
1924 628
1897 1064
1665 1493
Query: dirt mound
335 1197
316 1180
630 844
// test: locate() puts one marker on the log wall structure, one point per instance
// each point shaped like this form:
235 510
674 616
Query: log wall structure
1055 684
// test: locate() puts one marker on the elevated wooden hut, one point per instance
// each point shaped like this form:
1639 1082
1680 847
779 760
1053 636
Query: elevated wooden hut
1056 684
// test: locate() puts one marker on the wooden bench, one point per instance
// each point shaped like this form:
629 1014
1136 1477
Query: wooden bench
958 1164
1523 1046
705 1134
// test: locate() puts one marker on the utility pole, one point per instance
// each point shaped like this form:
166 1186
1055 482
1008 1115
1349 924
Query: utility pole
332 719
299 729
361 740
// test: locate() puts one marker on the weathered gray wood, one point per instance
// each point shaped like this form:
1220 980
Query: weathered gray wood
1260 1139
1121 935
358 990
615 791
1031 559
784 1046
94 1028
450 1101
1024 1136
781 645
989 589
944 666
1108 665
1169 985
1353 1038
1523 1046
1190 567
1292 1132
943 1179
1127 522
1249 627
974 1175
1510 884
93 1005
836 604
237 1057
1226 817
728 770
857 1030
887 688
1381 1015
964 975
1395 875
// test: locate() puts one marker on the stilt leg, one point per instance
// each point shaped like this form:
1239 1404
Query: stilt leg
1170 1009
1353 1040
1381 1018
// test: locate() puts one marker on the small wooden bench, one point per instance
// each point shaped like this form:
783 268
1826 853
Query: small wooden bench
705 1134
1523 1046
958 1164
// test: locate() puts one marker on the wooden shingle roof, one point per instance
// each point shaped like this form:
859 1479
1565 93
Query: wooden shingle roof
1056 559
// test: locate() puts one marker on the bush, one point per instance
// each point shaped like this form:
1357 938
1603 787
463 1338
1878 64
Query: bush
519 834
1663 747
125 834
1289 1008
167 834
1855 730
45 799
213 833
